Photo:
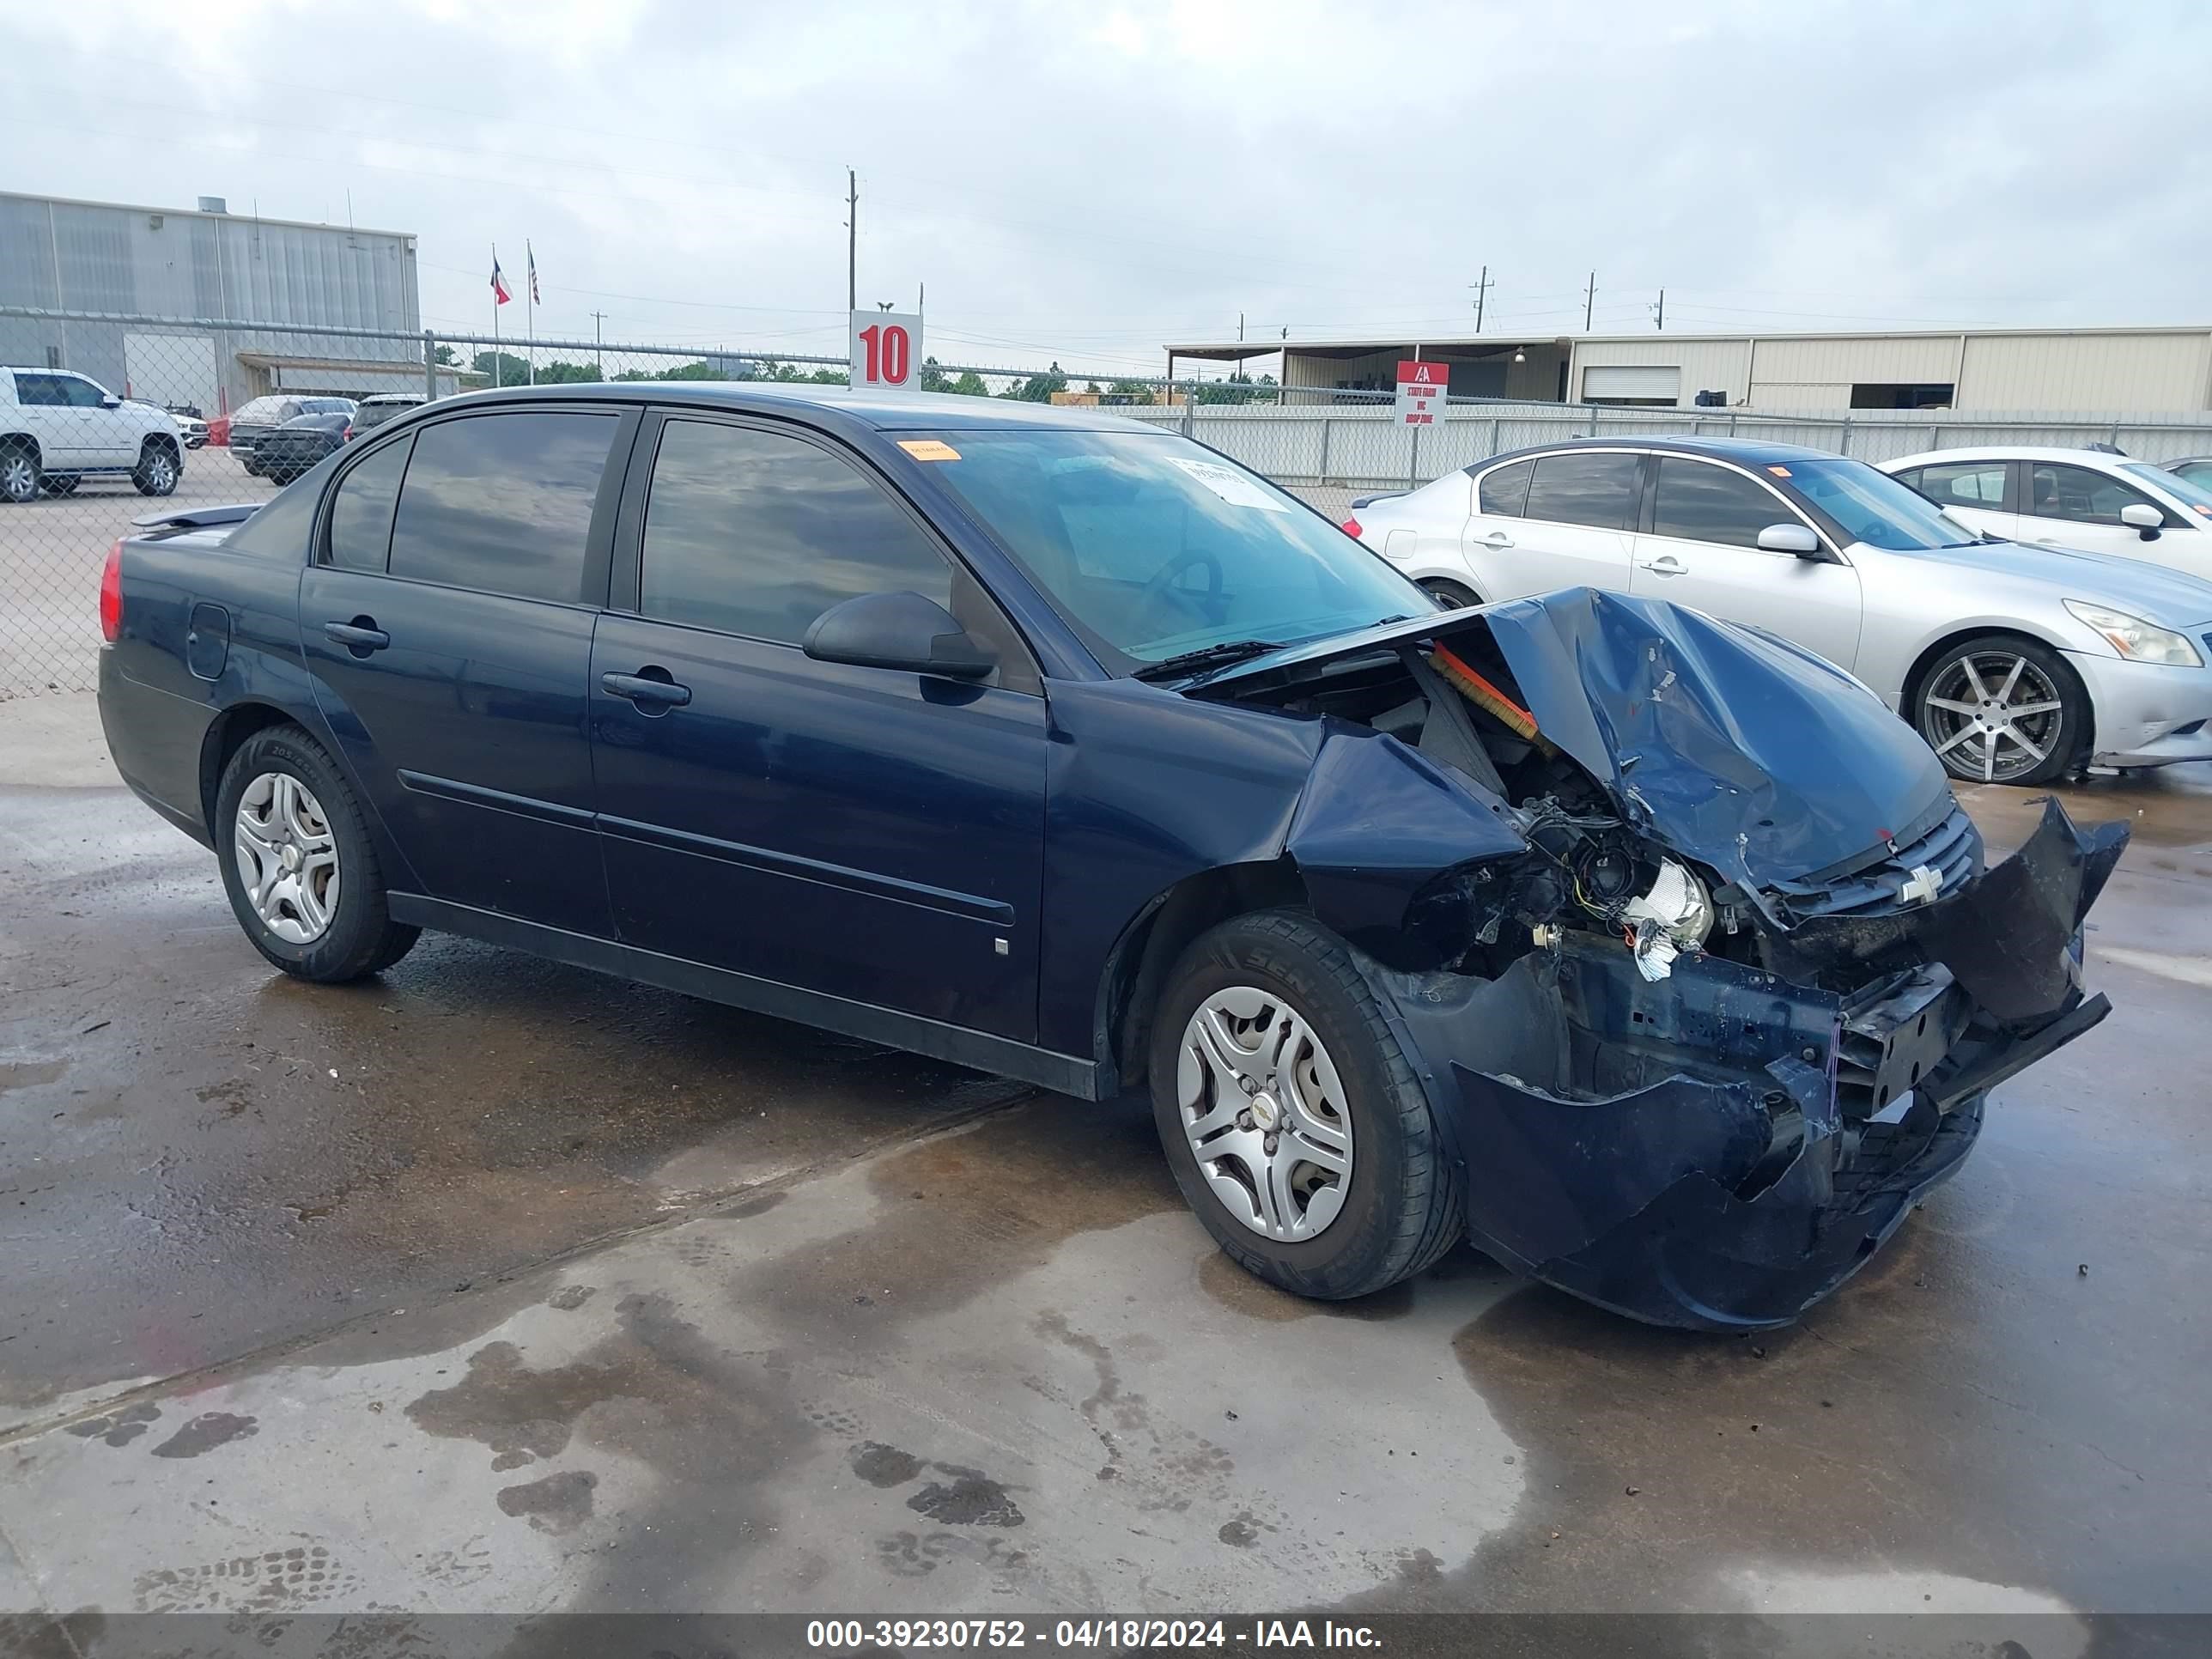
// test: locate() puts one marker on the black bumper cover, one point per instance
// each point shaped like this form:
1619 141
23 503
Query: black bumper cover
1717 1184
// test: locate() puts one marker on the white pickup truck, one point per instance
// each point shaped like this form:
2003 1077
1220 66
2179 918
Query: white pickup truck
57 428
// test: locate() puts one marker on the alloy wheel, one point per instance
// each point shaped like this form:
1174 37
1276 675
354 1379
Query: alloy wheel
1264 1110
1992 715
288 859
19 477
160 473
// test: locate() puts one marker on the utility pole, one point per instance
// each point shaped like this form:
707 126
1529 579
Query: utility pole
1659 311
1590 302
598 356
921 293
852 240
1482 293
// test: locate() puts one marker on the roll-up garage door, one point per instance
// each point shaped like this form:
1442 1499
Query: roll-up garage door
1644 382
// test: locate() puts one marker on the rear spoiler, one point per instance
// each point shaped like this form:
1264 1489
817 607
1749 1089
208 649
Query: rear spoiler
198 517
1358 502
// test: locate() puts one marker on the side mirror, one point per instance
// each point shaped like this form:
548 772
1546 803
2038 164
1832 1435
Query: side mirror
2141 515
110 401
900 631
1797 538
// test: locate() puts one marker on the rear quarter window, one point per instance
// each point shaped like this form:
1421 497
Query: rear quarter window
1505 491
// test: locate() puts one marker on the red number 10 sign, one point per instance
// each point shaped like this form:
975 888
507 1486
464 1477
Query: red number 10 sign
887 350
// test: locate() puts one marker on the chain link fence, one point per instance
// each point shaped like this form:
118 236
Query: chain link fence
98 402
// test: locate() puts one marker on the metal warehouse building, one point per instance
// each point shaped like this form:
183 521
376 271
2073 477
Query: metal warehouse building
1990 370
288 279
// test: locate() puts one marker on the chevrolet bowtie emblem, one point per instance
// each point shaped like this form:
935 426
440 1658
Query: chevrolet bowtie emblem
1922 886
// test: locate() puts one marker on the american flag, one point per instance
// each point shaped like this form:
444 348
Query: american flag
536 298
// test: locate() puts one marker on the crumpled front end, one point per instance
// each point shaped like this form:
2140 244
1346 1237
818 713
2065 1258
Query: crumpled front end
1721 1147
1693 947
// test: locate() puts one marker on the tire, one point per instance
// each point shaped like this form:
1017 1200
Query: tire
357 935
59 483
1401 1208
20 477
159 468
1455 596
2048 725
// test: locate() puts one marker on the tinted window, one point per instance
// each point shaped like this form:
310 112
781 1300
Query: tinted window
361 513
2078 494
502 502
1599 491
1963 484
40 391
756 533
1702 503
1505 489
79 393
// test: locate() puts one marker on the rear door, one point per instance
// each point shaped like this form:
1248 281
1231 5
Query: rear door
447 621
1574 530
48 418
1699 546
864 833
1982 495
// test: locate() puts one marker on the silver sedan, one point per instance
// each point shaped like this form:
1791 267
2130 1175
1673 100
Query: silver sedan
2015 663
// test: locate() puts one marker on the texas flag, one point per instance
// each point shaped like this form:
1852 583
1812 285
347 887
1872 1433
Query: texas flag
500 295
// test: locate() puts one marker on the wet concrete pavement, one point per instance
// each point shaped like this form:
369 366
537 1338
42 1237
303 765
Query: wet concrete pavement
498 1286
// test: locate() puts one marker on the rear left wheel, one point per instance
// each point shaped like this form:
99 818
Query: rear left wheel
1296 1128
298 864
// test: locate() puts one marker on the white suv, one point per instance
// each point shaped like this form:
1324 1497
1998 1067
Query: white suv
57 428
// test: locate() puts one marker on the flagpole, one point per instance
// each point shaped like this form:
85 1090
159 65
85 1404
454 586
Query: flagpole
495 316
529 307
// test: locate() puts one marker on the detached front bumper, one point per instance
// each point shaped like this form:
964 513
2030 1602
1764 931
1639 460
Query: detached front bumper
1720 1149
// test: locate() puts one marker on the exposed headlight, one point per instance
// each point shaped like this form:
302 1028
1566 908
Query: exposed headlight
2136 639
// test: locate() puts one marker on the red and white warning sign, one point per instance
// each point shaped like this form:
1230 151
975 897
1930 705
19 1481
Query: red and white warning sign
1421 390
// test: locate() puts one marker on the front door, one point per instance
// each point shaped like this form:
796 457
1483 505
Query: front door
863 833
1700 548
450 644
2071 506
105 437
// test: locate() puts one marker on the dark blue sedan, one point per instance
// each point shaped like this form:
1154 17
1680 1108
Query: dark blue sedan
1647 952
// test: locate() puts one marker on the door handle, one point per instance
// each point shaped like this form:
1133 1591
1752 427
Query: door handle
650 689
361 636
1665 565
1496 538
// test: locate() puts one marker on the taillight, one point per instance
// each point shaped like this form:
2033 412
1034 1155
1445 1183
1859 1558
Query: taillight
111 596
348 435
1351 527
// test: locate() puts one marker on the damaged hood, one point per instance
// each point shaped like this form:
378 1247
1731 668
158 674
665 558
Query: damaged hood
1722 741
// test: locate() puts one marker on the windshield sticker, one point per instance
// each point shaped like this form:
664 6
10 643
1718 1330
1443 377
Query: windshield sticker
1232 486
929 449
1779 472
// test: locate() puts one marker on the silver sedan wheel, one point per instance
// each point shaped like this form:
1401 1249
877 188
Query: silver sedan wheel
1992 715
1265 1113
288 857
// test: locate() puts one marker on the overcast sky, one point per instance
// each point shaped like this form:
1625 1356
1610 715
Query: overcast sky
1086 181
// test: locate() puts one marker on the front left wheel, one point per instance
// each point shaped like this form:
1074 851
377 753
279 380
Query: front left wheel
298 864
158 469
1294 1124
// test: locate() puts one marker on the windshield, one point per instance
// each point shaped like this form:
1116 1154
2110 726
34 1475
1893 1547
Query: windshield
1152 547
1874 508
2188 491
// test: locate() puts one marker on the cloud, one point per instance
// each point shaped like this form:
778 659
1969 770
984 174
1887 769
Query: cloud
1084 187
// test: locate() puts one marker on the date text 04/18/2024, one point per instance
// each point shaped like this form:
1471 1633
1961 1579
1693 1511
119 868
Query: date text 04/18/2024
856 1635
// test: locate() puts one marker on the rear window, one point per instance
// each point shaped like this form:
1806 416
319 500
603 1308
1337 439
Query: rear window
502 502
375 414
1597 490
266 411
282 528
1505 491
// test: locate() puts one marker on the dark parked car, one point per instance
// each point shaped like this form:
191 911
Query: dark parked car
291 448
1646 950
258 419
